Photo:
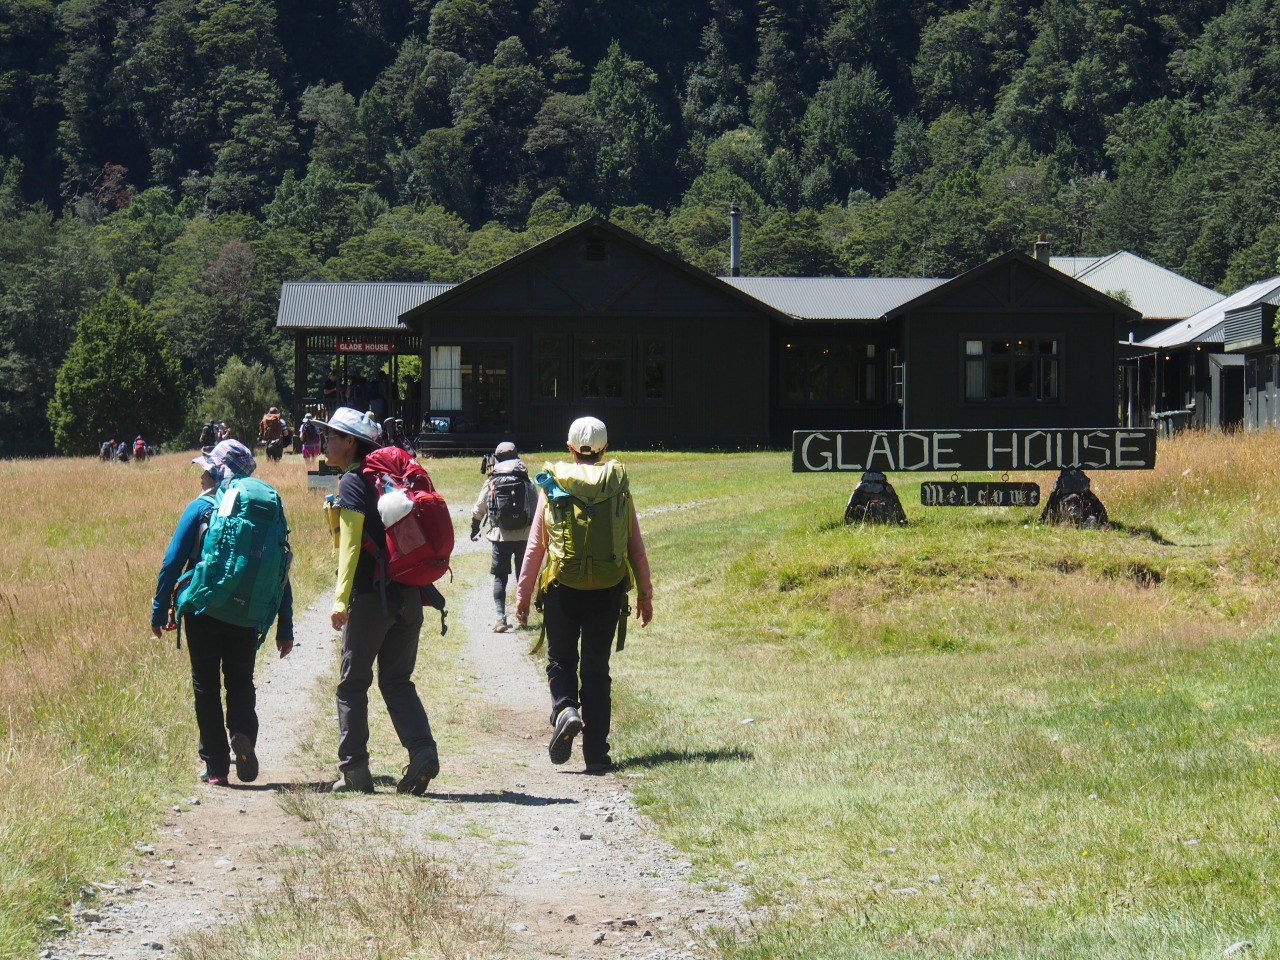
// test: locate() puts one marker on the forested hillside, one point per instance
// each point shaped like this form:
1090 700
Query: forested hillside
195 153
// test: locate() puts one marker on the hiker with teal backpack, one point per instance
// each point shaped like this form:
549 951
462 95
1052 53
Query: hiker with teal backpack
585 528
225 579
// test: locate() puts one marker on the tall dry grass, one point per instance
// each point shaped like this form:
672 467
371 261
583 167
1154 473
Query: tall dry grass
96 720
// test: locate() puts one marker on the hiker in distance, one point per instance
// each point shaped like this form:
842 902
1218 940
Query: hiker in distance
224 626
380 621
506 502
585 528
274 434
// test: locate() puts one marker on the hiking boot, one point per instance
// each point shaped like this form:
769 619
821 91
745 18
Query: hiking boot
423 767
246 759
354 781
599 766
501 626
568 726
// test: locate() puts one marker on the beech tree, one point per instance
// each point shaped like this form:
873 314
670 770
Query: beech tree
119 378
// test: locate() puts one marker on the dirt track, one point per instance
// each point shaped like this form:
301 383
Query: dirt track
573 867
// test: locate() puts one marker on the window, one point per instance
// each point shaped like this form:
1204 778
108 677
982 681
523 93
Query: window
602 368
550 366
446 378
1011 369
654 373
826 372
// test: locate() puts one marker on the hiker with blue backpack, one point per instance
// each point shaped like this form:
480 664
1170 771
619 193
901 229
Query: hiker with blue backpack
506 503
379 596
224 580
585 528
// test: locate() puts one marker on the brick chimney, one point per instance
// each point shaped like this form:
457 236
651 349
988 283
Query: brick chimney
1042 249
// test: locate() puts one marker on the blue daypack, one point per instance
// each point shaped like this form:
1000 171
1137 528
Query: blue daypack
244 563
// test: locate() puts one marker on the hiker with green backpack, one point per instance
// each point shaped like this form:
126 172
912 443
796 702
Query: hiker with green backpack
225 579
586 530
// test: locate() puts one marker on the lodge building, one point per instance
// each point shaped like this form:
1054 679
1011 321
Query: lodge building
596 320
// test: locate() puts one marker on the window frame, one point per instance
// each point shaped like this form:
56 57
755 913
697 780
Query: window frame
565 365
623 364
865 361
1001 366
641 361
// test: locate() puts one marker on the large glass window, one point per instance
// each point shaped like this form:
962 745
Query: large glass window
446 378
1015 369
828 372
602 368
655 384
551 385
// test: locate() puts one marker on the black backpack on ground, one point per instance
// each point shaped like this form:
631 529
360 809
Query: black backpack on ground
508 496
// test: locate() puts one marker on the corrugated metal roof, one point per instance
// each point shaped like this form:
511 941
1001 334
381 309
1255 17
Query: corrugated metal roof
834 298
1206 326
362 306
1156 293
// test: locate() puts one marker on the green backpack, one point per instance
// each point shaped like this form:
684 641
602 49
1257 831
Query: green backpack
588 527
245 561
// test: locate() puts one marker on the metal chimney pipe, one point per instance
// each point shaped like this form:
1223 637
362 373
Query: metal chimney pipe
735 240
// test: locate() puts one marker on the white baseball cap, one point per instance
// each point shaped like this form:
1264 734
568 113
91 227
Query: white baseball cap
588 435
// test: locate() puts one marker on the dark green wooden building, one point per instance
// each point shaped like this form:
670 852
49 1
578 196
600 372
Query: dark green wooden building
597 321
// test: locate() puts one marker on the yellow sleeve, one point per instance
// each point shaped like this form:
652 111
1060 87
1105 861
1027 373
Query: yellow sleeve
350 533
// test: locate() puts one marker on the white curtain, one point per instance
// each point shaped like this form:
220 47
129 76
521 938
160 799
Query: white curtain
446 378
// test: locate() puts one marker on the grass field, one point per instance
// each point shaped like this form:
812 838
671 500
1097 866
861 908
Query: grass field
972 736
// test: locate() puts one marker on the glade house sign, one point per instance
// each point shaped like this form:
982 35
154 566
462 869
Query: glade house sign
934 451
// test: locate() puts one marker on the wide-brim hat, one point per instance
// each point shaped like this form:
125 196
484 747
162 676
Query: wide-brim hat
232 454
353 423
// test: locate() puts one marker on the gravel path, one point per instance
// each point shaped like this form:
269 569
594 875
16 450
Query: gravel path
576 869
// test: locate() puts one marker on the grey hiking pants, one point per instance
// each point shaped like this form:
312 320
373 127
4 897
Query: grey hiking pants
389 640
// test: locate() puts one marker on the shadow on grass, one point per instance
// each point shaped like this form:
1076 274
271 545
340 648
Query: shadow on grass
1142 533
661 757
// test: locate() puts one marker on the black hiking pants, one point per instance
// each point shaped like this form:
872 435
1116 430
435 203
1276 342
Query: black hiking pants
389 640
507 555
583 620
221 648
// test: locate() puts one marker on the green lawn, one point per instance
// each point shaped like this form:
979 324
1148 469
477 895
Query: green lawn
973 735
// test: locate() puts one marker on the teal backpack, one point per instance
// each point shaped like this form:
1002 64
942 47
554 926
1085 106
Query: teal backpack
245 561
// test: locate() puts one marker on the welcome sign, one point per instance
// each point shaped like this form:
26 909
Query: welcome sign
944 451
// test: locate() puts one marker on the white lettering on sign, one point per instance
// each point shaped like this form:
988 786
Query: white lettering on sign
826 461
893 451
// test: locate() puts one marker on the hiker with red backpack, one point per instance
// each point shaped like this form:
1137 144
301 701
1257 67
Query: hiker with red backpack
236 524
506 503
585 527
394 539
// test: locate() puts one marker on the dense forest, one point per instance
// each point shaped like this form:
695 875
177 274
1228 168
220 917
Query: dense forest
192 154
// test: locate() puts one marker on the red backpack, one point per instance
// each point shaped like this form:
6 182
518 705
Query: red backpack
420 534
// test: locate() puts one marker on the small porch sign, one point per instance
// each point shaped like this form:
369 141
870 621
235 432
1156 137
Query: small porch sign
946 451
979 494
363 346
